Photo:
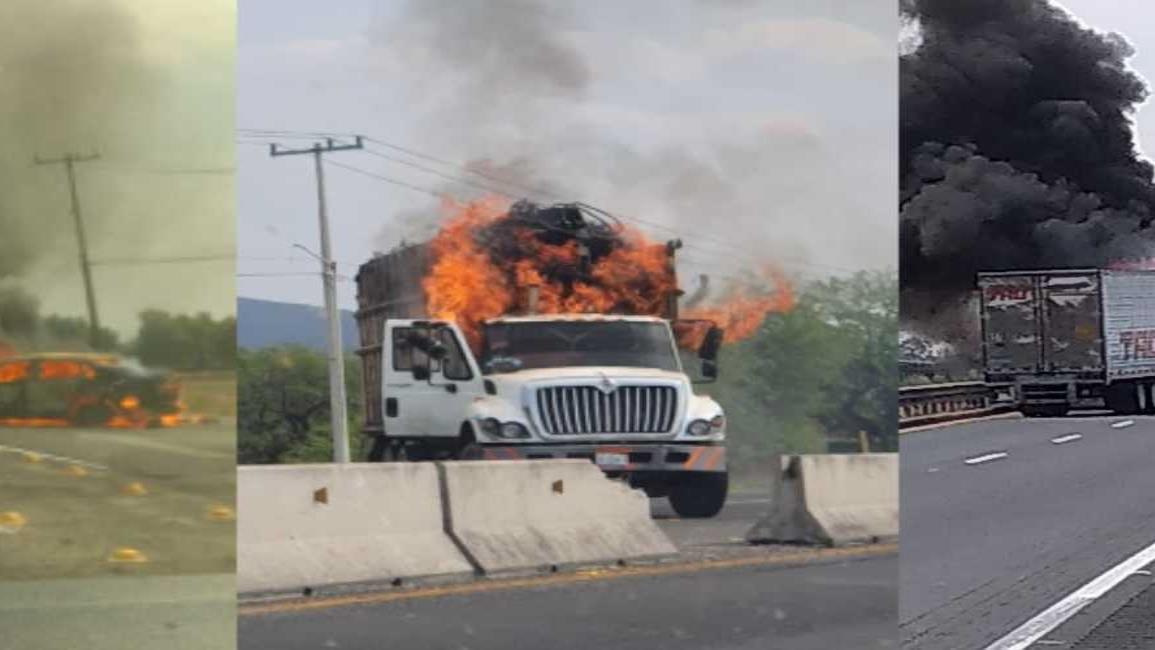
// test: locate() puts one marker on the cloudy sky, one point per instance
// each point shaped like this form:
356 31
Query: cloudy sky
752 130
147 85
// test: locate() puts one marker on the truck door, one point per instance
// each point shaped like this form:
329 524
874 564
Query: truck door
1072 330
1010 325
423 395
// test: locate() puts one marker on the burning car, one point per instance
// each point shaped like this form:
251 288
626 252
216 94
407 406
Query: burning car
89 390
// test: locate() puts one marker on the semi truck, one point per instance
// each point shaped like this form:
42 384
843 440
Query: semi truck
1070 339
607 387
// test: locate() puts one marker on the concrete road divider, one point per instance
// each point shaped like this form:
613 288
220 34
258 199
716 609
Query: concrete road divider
519 515
308 526
832 499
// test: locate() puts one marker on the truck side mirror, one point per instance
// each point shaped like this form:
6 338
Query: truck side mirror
421 373
711 343
437 351
709 369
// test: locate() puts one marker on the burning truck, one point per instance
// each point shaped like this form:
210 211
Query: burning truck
546 332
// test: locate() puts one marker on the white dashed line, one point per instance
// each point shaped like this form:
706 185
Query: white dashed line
1068 438
1122 425
986 458
62 459
1054 616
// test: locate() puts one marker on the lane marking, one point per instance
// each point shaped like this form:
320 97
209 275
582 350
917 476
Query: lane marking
1067 438
62 459
161 445
1054 616
799 558
1122 425
986 458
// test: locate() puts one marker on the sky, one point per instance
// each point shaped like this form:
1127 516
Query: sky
149 87
754 131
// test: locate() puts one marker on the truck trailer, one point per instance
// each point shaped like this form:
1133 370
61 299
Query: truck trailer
606 387
1070 339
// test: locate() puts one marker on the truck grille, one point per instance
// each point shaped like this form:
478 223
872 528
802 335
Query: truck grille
628 409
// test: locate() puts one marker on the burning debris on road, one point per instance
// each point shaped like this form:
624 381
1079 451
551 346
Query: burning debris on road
571 258
1017 149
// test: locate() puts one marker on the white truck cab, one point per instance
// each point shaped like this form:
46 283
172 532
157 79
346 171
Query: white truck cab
607 388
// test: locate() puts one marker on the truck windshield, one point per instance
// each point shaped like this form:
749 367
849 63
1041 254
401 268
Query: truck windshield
524 346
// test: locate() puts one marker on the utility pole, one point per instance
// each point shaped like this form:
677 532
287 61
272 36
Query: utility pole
337 401
69 161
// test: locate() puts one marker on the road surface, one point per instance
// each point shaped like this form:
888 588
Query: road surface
721 595
117 538
1006 523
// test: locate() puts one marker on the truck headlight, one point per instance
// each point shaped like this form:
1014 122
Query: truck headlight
491 427
699 428
718 423
514 430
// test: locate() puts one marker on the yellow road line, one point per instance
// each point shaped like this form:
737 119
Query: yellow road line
795 558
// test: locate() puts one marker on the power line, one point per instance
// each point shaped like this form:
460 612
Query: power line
394 181
283 274
729 248
700 240
164 260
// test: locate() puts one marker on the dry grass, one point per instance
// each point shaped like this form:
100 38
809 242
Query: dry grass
210 392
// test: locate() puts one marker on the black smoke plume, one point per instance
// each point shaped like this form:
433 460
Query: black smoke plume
1016 146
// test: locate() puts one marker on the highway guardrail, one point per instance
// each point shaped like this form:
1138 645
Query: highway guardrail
934 403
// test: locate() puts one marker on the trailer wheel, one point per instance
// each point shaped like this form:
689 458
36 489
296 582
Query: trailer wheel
1044 411
1123 398
700 495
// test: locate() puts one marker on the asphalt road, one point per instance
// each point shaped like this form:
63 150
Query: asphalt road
128 531
1044 507
765 601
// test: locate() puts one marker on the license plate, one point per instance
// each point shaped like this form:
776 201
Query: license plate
612 460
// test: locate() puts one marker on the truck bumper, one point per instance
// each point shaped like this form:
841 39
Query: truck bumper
1059 391
627 458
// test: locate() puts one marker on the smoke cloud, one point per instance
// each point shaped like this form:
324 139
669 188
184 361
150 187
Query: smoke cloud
116 78
542 93
1016 146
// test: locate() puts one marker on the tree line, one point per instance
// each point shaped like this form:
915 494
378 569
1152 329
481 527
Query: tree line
165 340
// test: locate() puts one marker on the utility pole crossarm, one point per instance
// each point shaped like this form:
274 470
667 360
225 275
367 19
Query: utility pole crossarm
329 146
336 352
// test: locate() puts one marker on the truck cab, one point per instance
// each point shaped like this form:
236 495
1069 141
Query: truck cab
610 389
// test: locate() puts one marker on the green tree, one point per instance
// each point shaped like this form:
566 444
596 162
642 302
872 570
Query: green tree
73 330
826 368
185 342
283 406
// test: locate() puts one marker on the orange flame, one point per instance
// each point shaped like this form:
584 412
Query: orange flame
744 309
469 284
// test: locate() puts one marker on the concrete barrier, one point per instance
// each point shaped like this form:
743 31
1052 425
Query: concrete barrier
832 499
518 515
308 526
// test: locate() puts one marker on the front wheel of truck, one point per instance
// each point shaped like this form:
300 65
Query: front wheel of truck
700 495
